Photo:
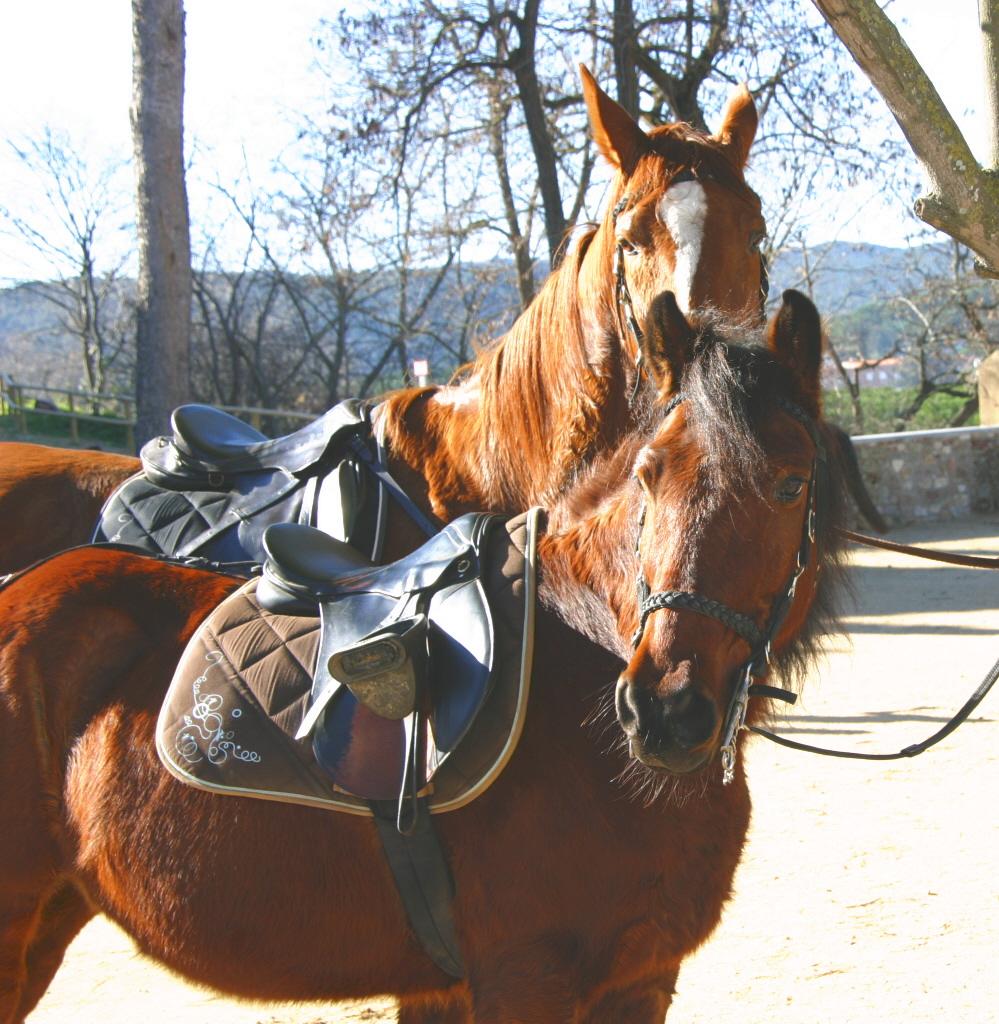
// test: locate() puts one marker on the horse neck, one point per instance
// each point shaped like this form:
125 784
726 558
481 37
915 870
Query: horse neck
536 405
588 568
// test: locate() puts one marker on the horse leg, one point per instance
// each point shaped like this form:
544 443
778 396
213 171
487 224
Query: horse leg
529 985
645 1003
27 872
65 912
19 914
450 1009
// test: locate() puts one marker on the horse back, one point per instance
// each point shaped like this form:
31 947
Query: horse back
75 625
50 498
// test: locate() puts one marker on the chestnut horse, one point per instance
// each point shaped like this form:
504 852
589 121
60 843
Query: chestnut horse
550 393
589 869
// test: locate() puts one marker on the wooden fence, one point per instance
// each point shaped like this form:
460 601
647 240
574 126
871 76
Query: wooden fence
19 400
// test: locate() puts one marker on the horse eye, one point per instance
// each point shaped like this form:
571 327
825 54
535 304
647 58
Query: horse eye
756 240
628 248
789 489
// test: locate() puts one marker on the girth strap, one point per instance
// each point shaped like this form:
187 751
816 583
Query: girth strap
424 881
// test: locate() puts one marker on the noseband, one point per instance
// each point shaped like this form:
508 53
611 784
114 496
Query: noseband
760 640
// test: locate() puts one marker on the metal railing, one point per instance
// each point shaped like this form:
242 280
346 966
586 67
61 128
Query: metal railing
20 400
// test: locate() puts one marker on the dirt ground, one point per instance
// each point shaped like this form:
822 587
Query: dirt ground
868 893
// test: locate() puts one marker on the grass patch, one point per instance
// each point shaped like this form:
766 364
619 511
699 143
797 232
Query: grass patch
46 428
883 406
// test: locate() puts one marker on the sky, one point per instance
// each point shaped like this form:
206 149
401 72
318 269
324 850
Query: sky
67 65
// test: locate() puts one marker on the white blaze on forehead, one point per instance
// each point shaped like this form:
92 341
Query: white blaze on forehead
624 222
683 209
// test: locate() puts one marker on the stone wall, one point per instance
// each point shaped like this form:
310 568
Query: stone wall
931 474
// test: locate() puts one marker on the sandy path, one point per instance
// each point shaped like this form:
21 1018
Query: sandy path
868 893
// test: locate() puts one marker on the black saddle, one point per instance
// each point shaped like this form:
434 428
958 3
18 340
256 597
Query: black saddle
211 489
209 447
410 642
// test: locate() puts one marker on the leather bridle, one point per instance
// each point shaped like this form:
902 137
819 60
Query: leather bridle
622 296
759 639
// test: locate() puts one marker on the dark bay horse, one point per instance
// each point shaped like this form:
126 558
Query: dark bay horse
550 393
600 858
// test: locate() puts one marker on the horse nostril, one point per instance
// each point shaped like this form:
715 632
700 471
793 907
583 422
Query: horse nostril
624 703
692 717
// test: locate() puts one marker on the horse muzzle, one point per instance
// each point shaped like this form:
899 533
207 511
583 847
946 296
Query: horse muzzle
672 727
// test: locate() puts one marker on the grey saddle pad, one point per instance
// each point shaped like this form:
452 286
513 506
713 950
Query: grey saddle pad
240 692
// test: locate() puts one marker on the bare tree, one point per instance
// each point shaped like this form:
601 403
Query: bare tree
164 285
510 66
78 224
955 326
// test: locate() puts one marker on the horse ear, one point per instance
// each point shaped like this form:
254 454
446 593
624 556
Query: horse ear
615 131
738 128
795 338
667 343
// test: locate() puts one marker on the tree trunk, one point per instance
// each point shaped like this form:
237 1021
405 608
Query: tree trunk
988 17
164 286
525 72
623 44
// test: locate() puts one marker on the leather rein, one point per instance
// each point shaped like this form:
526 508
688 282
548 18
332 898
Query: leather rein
962 715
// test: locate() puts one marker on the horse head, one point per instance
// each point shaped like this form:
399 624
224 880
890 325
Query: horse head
681 216
731 535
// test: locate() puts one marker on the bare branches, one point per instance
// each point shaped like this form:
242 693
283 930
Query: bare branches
963 197
78 224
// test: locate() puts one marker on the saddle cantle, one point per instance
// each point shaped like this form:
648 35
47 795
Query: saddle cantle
213 487
208 445
293 707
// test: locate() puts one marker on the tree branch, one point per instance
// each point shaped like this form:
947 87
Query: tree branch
963 197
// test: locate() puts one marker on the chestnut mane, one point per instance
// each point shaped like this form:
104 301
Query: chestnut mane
542 399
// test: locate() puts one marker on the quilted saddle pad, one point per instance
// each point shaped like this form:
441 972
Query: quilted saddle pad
241 689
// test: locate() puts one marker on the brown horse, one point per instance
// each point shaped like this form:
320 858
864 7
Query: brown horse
550 393
590 868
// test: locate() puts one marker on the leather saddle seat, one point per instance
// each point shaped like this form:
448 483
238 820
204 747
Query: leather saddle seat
410 642
211 488
211 434
207 442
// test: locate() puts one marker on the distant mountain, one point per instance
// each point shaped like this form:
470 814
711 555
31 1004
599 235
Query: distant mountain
846 275
33 345
847 281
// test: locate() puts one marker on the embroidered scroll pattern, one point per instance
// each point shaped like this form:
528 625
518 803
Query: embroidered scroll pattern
203 735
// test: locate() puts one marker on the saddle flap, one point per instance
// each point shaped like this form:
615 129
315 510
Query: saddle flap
461 645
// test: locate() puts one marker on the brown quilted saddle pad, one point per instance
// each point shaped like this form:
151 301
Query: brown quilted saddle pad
242 687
